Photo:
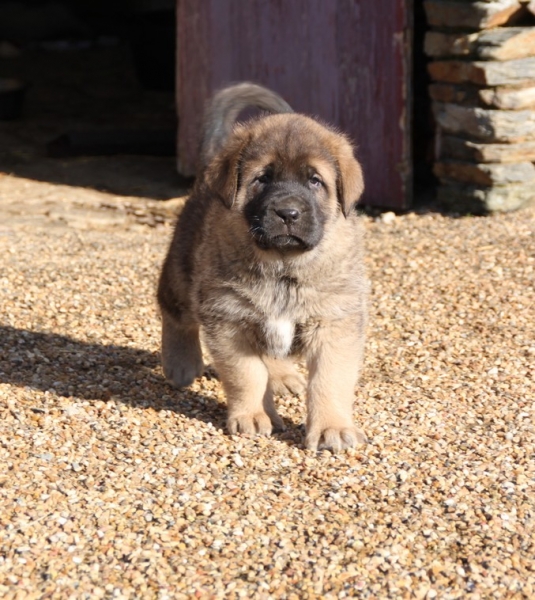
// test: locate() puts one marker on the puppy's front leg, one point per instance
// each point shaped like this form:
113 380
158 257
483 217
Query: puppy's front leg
334 357
245 379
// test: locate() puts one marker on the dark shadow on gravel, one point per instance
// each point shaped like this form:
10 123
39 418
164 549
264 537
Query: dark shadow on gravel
93 371
150 177
427 203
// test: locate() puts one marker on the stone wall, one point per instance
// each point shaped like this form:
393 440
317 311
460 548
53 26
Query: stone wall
483 96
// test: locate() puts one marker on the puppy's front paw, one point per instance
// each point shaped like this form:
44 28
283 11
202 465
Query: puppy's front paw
256 423
334 438
180 374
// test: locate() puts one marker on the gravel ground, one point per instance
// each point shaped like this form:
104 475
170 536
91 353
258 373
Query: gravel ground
114 485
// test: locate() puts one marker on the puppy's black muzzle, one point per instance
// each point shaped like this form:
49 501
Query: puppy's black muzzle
285 216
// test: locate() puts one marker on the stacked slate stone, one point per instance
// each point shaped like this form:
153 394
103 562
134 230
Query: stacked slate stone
483 95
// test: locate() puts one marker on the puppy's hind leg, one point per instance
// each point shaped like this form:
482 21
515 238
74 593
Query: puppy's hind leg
284 377
181 350
181 347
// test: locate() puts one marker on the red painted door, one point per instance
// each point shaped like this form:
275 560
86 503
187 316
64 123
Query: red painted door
344 61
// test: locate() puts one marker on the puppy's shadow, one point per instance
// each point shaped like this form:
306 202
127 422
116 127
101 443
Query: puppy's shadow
94 371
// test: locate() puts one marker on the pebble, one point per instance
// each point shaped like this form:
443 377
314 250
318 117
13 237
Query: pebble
388 218
237 460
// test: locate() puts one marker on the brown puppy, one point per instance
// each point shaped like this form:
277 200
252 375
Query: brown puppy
267 258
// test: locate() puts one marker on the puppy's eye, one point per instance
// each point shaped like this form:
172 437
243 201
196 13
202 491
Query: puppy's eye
264 178
315 181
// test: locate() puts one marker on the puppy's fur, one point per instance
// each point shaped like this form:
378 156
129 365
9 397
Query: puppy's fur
267 259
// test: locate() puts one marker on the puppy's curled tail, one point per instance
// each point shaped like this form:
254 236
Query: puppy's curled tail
224 108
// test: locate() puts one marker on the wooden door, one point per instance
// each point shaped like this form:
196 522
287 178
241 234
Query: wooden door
344 61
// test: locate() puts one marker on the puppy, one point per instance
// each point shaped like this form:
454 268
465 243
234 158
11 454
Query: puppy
267 257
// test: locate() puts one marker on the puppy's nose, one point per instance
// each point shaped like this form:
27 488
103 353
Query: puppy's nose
288 215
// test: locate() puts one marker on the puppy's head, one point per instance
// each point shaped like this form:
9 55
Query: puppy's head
288 177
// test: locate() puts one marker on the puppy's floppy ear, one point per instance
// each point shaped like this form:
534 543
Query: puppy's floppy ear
222 174
350 183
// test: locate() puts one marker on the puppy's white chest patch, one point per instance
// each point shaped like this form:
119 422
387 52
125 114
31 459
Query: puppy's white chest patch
279 334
